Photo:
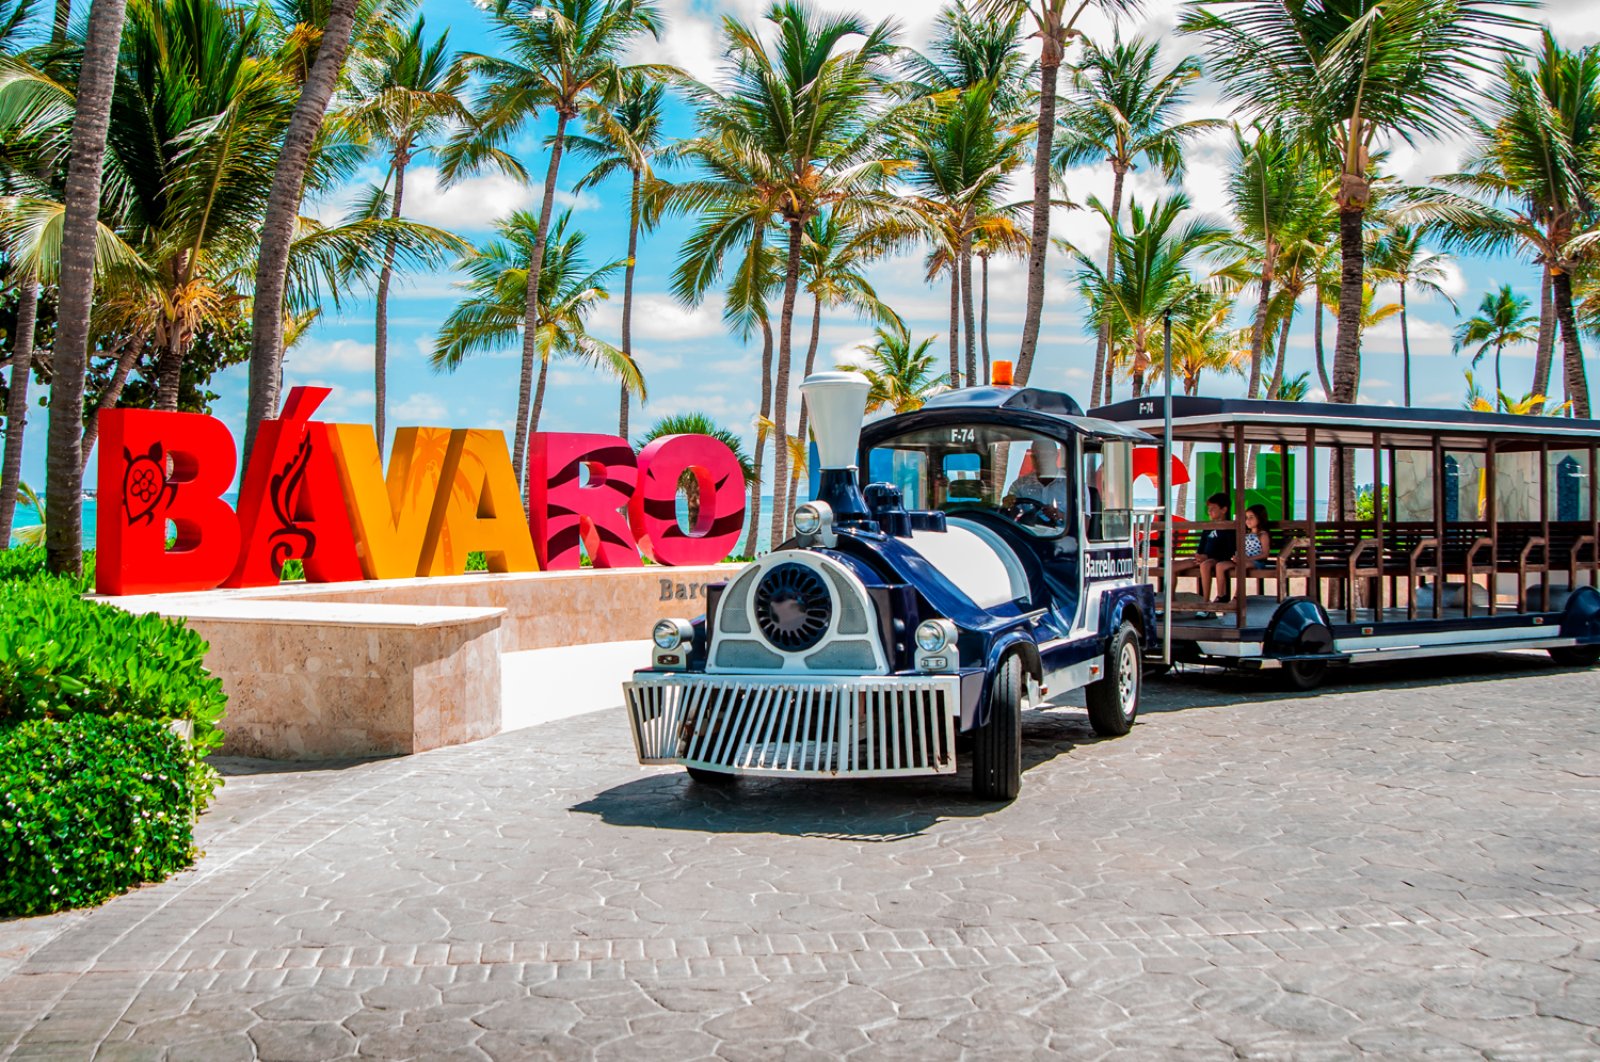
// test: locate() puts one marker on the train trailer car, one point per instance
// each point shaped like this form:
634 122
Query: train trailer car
1458 532
993 555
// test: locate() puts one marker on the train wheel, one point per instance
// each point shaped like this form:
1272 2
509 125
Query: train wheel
1304 675
706 776
1576 655
997 744
1114 700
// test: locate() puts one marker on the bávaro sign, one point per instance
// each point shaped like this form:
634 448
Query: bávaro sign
319 493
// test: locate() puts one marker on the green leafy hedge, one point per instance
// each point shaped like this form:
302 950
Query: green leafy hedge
90 807
62 656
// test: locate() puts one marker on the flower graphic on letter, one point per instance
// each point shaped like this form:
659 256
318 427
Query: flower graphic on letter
144 484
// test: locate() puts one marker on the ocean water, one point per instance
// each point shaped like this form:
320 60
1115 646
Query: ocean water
27 516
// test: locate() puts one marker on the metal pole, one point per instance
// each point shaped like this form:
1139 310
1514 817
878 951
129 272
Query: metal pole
1166 494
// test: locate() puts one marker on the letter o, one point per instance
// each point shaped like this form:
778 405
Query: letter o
653 510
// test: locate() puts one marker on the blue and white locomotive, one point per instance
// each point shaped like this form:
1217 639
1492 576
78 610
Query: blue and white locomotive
996 557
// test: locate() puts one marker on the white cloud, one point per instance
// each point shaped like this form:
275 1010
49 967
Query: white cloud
420 408
471 204
662 318
584 200
315 355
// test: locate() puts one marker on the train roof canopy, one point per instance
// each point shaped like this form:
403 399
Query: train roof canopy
1266 422
1027 407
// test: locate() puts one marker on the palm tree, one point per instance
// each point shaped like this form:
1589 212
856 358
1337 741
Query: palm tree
960 162
834 260
1275 193
407 90
1348 74
798 131
1532 179
626 137
969 50
1121 108
1502 320
1398 256
277 231
1529 405
998 234
491 317
697 423
732 238
1055 23
562 54
1154 254
1202 344
898 371
13 172
64 465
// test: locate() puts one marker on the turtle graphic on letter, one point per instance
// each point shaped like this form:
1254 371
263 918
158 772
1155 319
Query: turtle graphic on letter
144 484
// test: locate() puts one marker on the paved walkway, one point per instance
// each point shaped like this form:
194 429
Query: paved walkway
1395 869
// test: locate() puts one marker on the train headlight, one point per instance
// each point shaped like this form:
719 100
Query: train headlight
669 634
812 518
935 635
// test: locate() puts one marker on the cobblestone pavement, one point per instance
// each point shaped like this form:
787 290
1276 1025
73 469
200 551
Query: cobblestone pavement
1400 867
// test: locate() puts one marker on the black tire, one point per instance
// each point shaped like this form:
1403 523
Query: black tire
1303 676
1114 700
997 744
706 776
1576 655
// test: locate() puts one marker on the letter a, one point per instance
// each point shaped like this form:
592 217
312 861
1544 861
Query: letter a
482 512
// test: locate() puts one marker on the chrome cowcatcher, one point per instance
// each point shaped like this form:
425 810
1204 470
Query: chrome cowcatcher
792 726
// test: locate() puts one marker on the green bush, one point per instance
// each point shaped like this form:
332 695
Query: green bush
90 807
27 562
62 656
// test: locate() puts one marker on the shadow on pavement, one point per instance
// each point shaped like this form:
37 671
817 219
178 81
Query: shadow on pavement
866 810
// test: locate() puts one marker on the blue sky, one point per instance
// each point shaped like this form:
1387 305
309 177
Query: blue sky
692 363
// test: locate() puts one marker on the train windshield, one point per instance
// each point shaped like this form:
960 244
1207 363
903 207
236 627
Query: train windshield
960 468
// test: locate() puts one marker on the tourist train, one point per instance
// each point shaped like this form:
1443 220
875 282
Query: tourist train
964 561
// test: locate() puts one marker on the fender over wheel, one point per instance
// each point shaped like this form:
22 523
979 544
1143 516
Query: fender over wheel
1114 700
705 776
997 744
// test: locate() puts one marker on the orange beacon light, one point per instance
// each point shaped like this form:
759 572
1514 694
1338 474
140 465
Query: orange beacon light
1000 374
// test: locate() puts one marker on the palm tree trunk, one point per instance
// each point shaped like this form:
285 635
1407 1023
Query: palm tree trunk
1183 488
955 327
1275 389
75 298
17 402
127 358
969 317
1258 336
538 395
1571 349
169 374
1102 343
1499 381
283 211
983 327
1039 240
1547 336
780 388
1352 276
752 539
793 492
1110 373
627 299
1405 347
530 320
380 347
1316 339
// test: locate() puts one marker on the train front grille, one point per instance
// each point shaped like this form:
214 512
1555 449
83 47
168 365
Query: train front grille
861 727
